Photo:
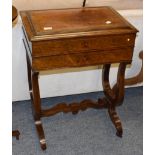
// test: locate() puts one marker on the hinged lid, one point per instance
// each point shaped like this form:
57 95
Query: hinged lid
53 24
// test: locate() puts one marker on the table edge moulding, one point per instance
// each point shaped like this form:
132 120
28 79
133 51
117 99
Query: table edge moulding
82 41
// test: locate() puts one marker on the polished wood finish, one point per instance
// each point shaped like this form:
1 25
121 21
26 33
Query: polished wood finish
63 38
73 23
84 45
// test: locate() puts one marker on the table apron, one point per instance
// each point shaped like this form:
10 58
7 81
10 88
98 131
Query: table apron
82 59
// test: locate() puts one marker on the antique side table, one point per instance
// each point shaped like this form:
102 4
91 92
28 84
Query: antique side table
63 38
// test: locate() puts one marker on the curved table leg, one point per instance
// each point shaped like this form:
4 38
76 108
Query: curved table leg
115 95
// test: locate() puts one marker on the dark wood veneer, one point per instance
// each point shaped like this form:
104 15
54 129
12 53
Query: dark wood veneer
82 45
64 38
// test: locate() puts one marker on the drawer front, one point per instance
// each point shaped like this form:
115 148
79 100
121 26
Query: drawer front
82 59
80 45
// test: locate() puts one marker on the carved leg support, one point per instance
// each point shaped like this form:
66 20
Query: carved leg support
36 103
114 96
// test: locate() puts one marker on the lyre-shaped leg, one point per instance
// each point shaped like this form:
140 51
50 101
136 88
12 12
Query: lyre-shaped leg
115 95
36 103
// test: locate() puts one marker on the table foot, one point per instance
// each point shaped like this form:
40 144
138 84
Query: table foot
41 134
16 134
119 133
116 121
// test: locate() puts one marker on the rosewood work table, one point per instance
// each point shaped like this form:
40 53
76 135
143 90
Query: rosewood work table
63 38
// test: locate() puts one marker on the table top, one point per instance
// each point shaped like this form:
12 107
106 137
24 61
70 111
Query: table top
60 23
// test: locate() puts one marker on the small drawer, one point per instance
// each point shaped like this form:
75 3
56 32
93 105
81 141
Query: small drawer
82 59
81 45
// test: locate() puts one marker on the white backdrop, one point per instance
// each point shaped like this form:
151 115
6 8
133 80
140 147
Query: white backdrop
69 81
